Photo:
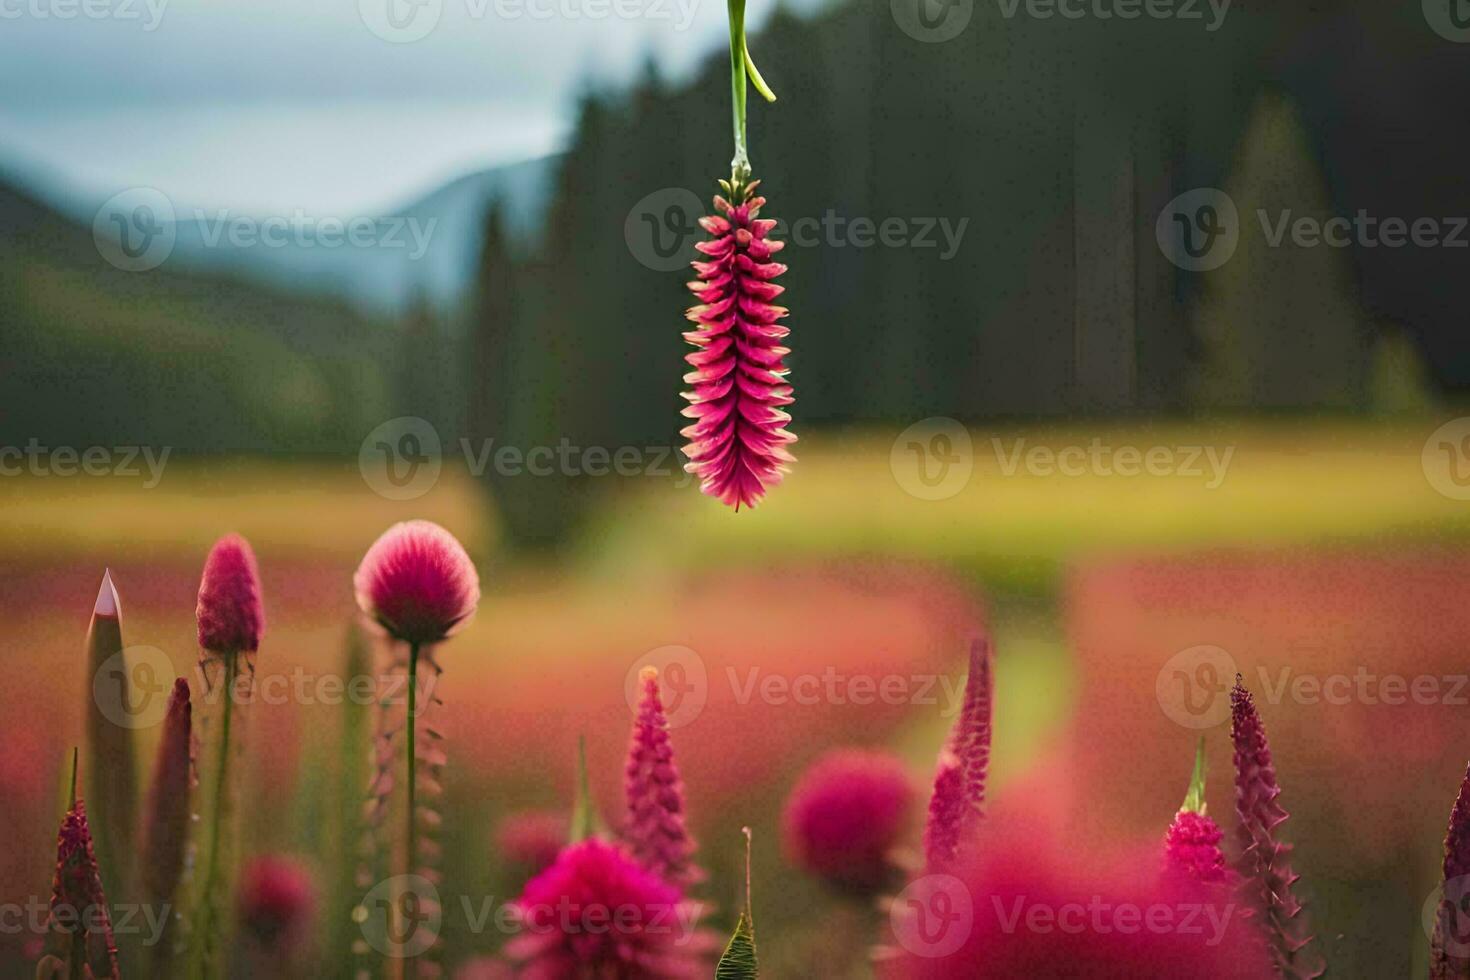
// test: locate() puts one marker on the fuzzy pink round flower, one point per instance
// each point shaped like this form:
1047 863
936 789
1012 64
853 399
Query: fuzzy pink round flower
230 614
417 582
277 900
597 912
532 839
846 814
1192 849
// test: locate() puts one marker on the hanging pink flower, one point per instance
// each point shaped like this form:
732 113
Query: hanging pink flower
598 912
230 613
737 443
846 815
417 583
655 830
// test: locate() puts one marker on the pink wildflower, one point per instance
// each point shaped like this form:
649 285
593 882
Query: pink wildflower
845 816
959 784
417 582
655 830
277 903
231 618
1449 947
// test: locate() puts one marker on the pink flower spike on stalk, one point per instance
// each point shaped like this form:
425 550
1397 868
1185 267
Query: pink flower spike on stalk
417 583
959 784
79 940
230 613
1265 862
655 830
845 817
737 443
1192 845
598 912
1449 945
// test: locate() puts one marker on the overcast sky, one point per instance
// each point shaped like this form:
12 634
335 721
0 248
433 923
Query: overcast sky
333 106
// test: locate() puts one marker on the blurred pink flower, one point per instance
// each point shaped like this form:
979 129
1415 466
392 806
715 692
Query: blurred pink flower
1448 942
1192 849
79 938
655 830
955 807
597 912
417 582
737 443
1014 907
532 839
846 814
231 617
277 902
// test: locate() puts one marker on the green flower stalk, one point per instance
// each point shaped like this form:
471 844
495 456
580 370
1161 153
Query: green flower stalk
111 776
231 619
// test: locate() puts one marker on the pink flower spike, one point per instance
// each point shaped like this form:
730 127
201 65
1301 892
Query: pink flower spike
230 614
846 815
959 784
737 442
1265 862
417 583
1449 946
655 830
597 912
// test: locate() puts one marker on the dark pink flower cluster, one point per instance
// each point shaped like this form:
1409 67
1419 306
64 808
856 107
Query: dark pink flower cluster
655 829
846 815
737 442
230 613
417 583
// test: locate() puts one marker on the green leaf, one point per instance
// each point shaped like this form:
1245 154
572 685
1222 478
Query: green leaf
739 962
1194 800
585 821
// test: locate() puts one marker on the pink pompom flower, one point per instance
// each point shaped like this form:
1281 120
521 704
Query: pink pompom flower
598 912
276 903
230 613
417 583
846 815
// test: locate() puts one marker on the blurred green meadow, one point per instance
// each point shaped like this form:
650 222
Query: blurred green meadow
1087 584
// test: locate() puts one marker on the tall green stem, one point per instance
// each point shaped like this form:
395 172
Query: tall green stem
741 163
413 724
208 937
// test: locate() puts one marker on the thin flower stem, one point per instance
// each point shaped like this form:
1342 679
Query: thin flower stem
209 913
741 163
413 715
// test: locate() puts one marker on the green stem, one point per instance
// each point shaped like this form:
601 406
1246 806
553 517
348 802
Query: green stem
741 163
413 718
209 913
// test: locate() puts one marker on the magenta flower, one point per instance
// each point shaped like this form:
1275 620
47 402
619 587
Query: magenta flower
1265 862
655 830
737 443
1192 844
417 583
1018 907
532 839
956 805
598 912
277 903
1449 946
79 940
230 614
845 816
